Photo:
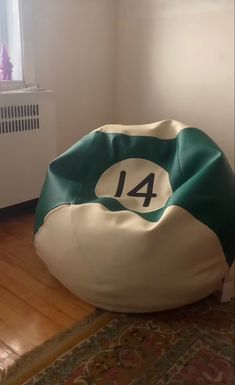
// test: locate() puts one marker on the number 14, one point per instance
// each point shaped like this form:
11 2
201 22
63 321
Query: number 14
148 195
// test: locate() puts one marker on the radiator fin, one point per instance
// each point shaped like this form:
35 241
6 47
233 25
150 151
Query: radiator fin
19 118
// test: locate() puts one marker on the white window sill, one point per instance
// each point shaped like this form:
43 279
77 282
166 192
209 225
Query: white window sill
27 90
13 86
9 85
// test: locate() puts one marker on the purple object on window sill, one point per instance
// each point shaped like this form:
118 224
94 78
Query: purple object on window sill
5 65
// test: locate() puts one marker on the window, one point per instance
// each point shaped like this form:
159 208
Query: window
10 43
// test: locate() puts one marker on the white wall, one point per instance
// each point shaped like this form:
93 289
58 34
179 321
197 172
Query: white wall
71 48
175 60
134 61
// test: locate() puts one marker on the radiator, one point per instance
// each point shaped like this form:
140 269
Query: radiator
27 143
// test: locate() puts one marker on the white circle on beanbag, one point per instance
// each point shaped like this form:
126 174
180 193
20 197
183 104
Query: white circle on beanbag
138 184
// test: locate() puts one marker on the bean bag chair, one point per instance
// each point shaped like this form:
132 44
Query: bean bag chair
138 218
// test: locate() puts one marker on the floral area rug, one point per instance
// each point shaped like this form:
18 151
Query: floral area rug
194 345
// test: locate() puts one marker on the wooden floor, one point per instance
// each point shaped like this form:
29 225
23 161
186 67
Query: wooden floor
33 305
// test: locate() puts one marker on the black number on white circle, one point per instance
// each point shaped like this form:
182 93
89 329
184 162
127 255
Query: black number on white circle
148 195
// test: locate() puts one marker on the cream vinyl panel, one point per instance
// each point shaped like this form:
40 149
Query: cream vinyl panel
165 129
120 261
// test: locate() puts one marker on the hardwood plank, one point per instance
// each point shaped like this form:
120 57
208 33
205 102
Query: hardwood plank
41 324
18 254
57 298
18 290
17 343
26 326
34 306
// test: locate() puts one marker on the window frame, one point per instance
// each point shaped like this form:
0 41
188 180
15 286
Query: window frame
26 25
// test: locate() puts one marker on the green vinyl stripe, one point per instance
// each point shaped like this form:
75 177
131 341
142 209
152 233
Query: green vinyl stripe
208 191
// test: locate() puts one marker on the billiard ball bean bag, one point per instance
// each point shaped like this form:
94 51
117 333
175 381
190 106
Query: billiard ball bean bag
138 218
